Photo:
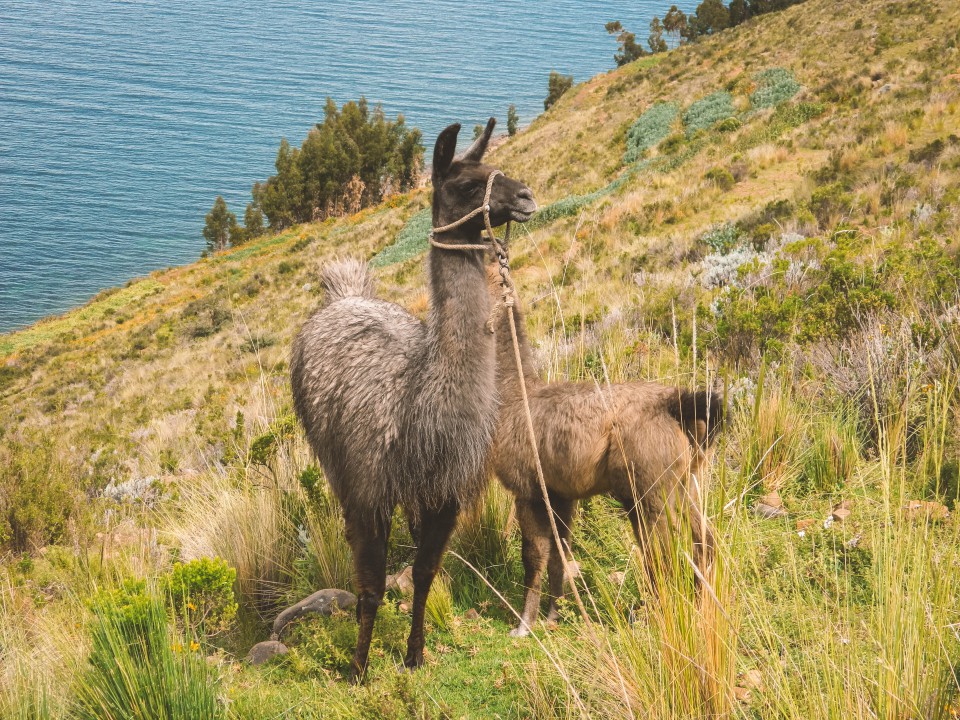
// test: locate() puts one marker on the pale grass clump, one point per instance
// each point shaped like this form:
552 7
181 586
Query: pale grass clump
41 650
252 527
774 430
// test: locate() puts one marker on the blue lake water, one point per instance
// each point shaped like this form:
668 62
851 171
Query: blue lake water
121 120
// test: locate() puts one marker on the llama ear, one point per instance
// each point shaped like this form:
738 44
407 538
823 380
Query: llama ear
444 150
479 147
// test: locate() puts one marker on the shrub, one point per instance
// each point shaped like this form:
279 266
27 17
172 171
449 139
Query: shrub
776 85
557 85
649 129
319 644
729 125
326 560
37 499
709 110
201 592
721 177
829 201
264 447
138 669
721 238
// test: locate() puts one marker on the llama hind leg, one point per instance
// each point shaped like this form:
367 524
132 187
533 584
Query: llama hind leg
535 537
368 541
435 529
563 513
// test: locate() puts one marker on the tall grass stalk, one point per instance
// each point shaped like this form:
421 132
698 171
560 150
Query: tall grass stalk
140 670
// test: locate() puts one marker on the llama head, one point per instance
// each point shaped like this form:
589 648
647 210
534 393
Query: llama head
459 184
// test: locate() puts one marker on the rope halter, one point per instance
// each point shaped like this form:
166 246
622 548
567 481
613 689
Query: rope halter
498 246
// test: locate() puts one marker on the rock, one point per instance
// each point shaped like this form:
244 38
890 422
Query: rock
742 694
572 570
323 602
752 680
264 651
768 512
471 614
402 582
772 499
840 514
404 607
616 578
802 525
770 506
924 510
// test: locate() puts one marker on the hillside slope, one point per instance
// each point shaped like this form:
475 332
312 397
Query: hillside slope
774 210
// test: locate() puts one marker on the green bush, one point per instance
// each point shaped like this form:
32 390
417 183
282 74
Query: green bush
721 177
775 86
37 498
709 110
649 129
722 238
264 447
139 670
201 592
828 201
319 644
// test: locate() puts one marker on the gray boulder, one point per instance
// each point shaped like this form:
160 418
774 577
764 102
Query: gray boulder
264 651
323 602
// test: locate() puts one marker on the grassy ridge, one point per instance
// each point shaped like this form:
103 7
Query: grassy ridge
789 234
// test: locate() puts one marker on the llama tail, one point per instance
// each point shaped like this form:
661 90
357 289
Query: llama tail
347 278
700 414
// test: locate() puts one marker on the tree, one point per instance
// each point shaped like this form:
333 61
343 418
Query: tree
513 120
739 12
557 85
711 17
353 158
477 131
655 40
628 49
253 221
675 23
219 224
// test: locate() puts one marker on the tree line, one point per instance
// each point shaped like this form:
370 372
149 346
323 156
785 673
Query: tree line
351 160
710 16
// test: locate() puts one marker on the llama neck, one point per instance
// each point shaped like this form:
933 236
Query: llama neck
507 378
461 349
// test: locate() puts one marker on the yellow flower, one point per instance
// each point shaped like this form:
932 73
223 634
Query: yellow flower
194 646
177 647
191 606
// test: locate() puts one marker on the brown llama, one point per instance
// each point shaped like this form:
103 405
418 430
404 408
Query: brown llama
402 412
641 442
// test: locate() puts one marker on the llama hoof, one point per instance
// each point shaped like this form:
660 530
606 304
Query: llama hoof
411 663
522 630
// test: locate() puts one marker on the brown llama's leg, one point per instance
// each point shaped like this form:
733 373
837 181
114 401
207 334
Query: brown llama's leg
368 541
650 524
563 512
536 539
435 530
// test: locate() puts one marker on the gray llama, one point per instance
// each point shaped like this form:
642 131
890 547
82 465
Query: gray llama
402 412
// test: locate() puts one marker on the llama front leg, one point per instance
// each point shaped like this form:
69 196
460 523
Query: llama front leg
535 537
435 530
368 541
563 513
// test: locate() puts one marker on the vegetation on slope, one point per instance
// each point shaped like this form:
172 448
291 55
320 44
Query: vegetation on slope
789 233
